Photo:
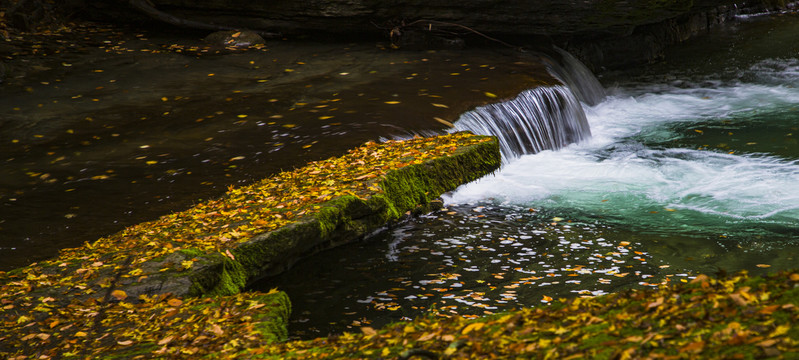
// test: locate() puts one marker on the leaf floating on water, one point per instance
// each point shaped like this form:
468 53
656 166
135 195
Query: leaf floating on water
440 105
445 122
393 102
763 265
489 94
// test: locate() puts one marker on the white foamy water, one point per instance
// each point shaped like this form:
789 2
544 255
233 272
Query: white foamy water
629 173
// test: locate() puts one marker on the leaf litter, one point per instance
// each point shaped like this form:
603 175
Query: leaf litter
76 289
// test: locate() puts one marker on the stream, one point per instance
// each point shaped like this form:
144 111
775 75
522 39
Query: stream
683 167
691 167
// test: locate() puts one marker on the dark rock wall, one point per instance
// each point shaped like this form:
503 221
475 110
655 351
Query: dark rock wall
645 43
603 33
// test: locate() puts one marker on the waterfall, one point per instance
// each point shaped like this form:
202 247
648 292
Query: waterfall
538 119
576 76
543 118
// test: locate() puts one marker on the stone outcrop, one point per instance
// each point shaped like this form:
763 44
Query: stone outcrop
603 33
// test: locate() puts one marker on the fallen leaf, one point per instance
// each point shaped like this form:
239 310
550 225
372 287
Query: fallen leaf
119 295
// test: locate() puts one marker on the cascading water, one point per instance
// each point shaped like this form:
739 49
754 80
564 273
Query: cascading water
698 157
540 119
543 118
574 74
688 170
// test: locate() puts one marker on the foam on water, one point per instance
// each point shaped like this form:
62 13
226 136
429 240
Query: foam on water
620 176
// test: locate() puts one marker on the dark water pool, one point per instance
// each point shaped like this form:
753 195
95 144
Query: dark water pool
102 128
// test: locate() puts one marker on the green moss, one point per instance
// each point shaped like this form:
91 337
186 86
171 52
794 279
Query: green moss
223 276
191 253
272 324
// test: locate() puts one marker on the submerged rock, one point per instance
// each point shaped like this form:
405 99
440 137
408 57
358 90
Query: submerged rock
234 38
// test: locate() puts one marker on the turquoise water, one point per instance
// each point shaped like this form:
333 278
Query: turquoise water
692 167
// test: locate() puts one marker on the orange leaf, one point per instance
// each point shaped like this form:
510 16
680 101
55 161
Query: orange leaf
216 329
165 340
174 302
694 347
119 295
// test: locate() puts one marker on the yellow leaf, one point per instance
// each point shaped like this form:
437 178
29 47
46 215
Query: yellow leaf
366 330
491 95
781 330
445 122
186 264
440 105
472 327
81 334
392 102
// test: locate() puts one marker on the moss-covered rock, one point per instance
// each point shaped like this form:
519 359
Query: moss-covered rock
76 304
